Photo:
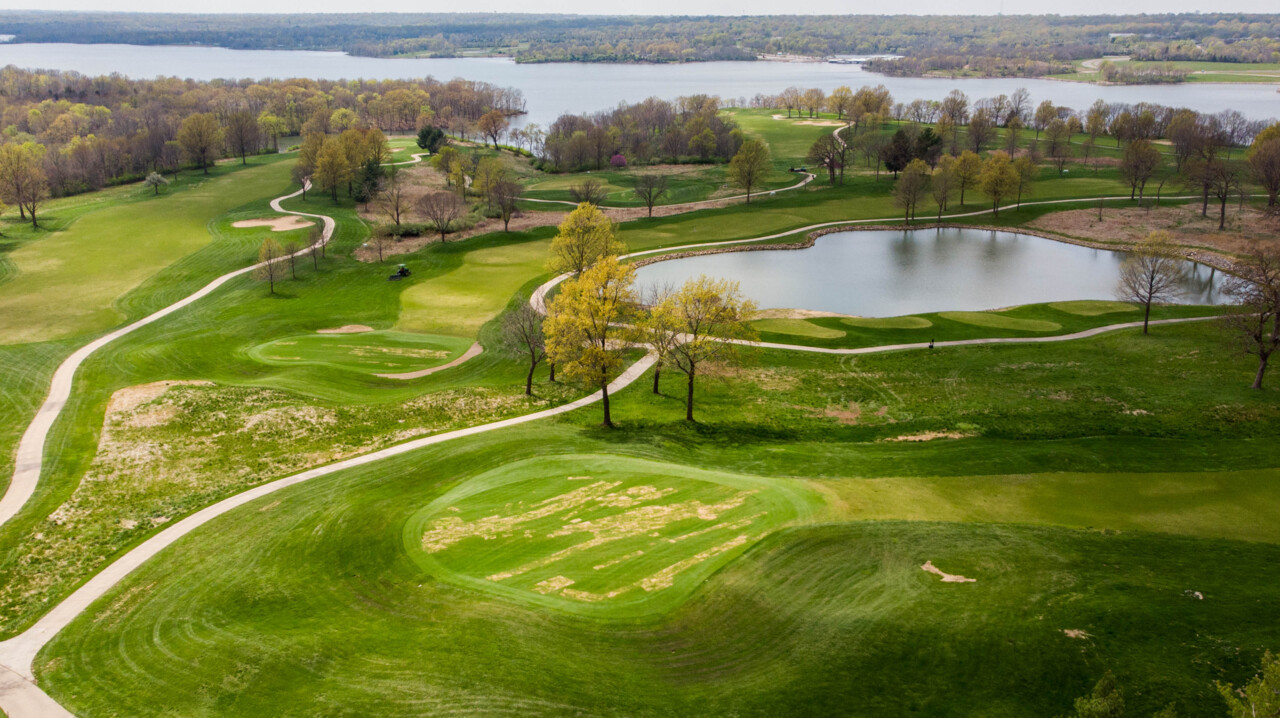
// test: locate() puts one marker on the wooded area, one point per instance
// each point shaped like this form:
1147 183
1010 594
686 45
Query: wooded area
1019 45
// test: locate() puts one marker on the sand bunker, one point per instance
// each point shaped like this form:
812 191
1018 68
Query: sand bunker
346 329
931 435
277 224
1076 633
946 577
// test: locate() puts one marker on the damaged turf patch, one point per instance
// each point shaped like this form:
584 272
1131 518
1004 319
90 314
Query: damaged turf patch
609 534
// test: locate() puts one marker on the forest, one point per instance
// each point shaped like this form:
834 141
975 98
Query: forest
76 133
1020 45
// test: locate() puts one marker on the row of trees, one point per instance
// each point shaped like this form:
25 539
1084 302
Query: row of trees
87 132
688 128
598 316
1016 44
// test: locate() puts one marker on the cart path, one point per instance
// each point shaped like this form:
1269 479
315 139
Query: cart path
30 455
20 697
471 352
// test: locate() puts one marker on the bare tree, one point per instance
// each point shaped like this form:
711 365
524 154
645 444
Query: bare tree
269 268
393 198
443 209
650 188
590 190
1151 274
1256 292
379 240
504 194
291 249
522 335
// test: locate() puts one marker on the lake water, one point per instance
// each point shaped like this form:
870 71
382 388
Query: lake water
891 273
555 88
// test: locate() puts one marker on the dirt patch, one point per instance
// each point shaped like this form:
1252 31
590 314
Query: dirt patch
946 577
1186 227
931 435
821 123
277 224
1076 633
796 314
346 329
134 396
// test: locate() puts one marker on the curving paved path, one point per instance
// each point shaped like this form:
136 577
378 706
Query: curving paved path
471 352
30 454
20 697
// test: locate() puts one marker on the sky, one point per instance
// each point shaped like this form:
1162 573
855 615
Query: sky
661 7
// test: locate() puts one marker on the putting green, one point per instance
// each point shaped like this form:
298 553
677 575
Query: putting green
907 322
1000 321
608 535
797 327
459 302
384 352
1092 307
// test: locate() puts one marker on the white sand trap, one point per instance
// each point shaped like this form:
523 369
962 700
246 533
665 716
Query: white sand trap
277 224
821 123
946 577
346 329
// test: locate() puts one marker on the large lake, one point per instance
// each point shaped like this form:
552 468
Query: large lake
552 89
891 273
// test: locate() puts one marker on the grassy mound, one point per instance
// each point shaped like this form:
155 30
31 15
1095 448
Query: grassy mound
603 534
907 322
1001 321
797 327
383 352
1092 307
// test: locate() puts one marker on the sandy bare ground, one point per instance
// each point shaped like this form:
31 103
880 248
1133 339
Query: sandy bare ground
131 396
946 577
277 224
930 436
795 314
1184 224
346 329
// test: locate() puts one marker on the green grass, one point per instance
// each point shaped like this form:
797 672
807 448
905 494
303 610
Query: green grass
1086 485
1029 320
384 352
796 327
907 322
478 285
67 281
995 320
598 535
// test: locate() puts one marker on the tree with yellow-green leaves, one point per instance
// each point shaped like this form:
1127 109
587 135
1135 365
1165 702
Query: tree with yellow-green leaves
583 333
333 169
967 169
710 316
998 179
201 138
585 236
750 166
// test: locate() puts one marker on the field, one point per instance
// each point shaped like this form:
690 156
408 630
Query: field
1197 71
964 531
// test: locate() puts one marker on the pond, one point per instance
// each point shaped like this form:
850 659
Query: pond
554 88
886 273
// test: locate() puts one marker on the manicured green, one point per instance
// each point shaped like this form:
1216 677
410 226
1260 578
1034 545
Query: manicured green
797 327
993 320
385 352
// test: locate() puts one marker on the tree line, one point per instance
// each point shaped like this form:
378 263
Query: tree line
82 133
687 129
1020 45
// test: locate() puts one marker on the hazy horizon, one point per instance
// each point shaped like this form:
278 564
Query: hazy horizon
655 8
